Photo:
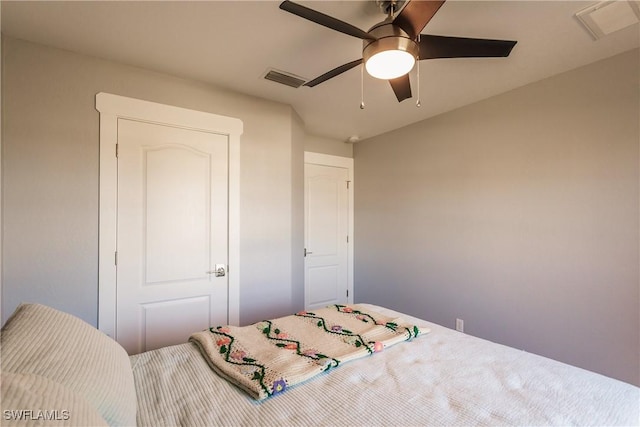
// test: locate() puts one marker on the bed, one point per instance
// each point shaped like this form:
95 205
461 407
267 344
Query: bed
52 361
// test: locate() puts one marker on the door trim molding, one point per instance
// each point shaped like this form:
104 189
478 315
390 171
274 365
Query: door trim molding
347 163
114 107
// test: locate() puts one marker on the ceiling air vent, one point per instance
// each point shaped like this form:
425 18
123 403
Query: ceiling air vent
284 78
607 17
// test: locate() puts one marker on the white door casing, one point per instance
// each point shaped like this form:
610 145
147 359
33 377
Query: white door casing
328 230
168 125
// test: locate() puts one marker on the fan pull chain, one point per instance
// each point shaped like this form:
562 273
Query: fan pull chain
418 61
418 101
362 87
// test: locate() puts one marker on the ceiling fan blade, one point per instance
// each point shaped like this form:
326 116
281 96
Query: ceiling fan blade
432 47
401 87
325 20
416 15
335 72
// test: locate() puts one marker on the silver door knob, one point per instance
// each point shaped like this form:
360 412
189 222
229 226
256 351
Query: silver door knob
219 270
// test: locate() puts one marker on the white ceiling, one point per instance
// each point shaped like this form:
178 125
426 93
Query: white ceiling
232 44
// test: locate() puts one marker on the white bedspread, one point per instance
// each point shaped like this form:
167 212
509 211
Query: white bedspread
444 378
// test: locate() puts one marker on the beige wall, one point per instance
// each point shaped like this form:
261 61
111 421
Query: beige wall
518 214
50 179
334 147
297 211
1 173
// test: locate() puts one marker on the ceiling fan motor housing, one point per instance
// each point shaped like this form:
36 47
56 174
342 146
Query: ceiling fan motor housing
389 37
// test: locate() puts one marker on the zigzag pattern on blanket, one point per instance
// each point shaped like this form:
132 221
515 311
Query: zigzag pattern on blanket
265 358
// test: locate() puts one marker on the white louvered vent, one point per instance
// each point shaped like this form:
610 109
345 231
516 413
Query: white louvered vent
608 17
284 78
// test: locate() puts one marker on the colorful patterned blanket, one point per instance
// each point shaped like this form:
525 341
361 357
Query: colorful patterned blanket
265 358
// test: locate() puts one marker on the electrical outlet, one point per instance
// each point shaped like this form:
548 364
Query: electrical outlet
459 325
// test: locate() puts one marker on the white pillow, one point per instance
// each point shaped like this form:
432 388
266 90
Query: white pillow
29 399
43 341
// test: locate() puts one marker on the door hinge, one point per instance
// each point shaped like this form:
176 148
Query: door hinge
347 239
347 293
115 258
348 184
116 150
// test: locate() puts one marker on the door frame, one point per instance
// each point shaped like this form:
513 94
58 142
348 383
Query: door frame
113 107
347 163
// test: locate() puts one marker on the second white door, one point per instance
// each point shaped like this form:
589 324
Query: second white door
326 235
172 229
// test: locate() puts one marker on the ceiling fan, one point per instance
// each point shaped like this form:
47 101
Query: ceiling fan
390 48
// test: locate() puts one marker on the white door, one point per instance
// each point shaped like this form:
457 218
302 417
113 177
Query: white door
326 235
172 208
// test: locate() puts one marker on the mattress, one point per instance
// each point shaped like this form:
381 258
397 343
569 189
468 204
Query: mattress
443 378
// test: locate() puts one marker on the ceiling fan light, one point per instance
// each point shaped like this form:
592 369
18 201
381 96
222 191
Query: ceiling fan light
392 54
390 64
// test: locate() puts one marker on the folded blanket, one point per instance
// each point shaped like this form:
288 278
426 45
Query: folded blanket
265 358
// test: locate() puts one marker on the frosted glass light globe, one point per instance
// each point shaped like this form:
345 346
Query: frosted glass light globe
390 64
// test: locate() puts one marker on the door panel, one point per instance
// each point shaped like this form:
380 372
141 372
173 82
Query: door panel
177 214
171 231
325 189
321 289
326 230
170 322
